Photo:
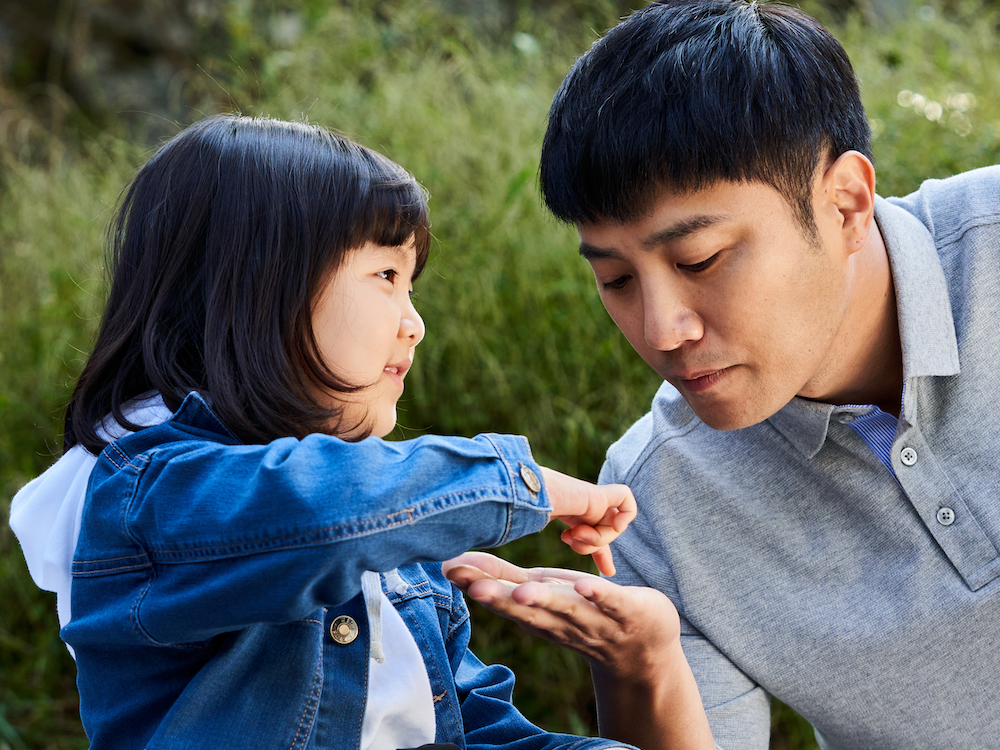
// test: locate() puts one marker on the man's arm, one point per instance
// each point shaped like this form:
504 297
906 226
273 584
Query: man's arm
646 691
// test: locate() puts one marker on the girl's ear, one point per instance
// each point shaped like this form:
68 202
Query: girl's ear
847 197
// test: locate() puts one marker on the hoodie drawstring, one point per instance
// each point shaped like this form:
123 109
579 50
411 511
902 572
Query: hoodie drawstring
371 587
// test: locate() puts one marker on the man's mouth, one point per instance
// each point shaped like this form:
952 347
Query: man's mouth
701 381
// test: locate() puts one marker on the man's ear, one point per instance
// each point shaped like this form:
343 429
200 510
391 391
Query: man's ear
846 198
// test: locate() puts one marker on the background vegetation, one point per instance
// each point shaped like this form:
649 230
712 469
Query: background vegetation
517 339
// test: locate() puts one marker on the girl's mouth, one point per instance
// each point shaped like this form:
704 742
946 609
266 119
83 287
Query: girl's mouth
395 374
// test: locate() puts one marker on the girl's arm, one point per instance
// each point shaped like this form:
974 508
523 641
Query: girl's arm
210 535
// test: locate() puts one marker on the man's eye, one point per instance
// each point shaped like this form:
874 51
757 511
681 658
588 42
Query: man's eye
389 274
696 267
618 283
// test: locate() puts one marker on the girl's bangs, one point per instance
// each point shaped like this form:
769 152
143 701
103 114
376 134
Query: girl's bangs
399 213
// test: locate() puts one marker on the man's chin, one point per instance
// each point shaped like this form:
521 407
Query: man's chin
727 419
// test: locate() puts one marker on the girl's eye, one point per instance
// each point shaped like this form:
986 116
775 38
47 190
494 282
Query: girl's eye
696 267
388 274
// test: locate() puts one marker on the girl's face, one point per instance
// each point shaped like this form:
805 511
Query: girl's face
367 330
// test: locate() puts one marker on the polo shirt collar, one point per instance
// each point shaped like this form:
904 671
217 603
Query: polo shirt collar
926 326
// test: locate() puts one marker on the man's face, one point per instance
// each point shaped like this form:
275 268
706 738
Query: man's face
723 295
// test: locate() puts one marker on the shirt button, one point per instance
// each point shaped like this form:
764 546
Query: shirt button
344 630
530 479
908 456
845 418
945 516
401 589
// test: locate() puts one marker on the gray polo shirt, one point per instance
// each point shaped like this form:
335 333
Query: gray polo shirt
801 567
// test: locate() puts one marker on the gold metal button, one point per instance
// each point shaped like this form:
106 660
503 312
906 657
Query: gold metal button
344 630
530 479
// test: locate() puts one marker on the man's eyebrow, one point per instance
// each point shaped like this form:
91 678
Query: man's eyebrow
677 230
681 229
592 252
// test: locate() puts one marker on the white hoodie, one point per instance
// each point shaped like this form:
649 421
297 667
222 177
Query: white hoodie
45 514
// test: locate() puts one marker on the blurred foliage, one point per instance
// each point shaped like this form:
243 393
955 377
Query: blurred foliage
517 339
929 88
51 228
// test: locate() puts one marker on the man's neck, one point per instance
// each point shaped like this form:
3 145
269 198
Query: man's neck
869 353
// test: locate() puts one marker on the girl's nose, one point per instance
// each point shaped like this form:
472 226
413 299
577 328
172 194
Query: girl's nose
411 325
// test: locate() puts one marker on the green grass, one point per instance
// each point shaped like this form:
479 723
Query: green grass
51 225
517 340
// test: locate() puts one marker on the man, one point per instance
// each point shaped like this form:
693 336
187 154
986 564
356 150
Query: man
817 477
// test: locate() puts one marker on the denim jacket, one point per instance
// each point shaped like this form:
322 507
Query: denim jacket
208 574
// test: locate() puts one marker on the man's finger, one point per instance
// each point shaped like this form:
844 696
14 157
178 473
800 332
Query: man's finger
491 593
495 567
499 597
554 612
491 565
620 603
464 576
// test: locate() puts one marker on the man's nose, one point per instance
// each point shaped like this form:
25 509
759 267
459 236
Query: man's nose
669 320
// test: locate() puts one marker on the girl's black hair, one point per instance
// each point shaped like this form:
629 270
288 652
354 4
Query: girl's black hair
685 93
220 244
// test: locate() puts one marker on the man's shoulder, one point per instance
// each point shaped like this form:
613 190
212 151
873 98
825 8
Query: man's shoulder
669 418
671 444
951 206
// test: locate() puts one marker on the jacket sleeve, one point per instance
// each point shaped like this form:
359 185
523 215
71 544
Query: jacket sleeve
209 537
485 692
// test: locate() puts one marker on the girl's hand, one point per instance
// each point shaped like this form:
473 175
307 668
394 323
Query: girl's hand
595 514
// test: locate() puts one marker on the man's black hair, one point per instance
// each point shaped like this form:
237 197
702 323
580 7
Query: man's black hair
685 93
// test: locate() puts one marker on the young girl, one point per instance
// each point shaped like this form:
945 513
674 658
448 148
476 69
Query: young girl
249 570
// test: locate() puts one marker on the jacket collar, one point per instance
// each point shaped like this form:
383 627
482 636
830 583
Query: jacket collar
196 414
